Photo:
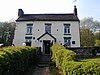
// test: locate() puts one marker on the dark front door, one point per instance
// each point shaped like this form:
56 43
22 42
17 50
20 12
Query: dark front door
46 46
28 43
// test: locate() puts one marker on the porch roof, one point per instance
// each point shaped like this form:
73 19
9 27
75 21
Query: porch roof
47 34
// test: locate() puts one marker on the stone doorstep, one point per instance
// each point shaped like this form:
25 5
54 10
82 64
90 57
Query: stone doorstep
42 71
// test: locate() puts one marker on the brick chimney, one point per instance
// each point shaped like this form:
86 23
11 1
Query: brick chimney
20 12
75 10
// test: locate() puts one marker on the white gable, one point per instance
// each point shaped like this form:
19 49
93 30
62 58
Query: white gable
46 37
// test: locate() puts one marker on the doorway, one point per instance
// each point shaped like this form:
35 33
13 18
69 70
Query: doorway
28 43
46 46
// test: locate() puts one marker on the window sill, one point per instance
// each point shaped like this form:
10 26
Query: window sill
28 34
67 34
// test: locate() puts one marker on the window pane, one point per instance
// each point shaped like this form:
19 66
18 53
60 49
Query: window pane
66 28
48 28
29 28
67 41
28 39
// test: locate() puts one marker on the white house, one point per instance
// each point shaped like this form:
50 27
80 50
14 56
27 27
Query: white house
43 30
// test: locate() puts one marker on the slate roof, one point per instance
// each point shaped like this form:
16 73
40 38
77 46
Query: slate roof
48 17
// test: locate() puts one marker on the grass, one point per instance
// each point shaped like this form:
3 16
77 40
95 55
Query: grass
93 59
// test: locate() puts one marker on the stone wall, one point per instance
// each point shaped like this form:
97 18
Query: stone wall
84 52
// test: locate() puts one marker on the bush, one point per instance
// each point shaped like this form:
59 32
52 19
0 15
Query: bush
81 68
15 60
55 48
60 54
64 55
65 62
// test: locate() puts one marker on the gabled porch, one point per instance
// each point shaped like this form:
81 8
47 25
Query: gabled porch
46 41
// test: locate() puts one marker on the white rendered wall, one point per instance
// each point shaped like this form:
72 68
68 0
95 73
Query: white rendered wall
57 30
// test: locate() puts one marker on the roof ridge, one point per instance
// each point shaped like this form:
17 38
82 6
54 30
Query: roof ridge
52 14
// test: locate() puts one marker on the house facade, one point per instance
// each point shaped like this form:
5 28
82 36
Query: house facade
43 30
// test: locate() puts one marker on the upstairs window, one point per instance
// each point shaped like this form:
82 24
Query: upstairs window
29 28
48 28
66 28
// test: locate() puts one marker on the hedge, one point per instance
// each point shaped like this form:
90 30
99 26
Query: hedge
65 61
16 60
81 68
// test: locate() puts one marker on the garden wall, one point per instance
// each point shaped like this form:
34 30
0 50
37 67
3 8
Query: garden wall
85 51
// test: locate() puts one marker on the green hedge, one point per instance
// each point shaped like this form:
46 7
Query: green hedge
55 48
60 53
81 68
65 62
16 60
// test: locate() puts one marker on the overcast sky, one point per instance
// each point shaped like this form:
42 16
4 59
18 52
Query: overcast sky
86 8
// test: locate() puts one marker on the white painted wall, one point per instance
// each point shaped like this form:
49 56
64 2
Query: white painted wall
20 32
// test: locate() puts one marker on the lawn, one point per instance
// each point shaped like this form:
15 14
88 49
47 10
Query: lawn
94 59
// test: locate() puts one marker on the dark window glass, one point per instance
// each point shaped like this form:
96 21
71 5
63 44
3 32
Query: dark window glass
67 41
29 28
66 28
73 42
48 28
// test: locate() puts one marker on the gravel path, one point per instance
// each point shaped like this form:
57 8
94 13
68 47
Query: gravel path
42 71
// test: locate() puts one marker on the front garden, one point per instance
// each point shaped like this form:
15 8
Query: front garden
66 62
17 60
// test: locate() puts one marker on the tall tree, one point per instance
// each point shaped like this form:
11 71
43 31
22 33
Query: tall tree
89 23
7 32
87 37
97 39
97 42
97 36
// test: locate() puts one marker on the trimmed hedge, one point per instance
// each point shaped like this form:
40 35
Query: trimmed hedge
16 60
81 68
55 48
65 61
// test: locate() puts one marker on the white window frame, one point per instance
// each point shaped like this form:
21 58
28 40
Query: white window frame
67 41
29 28
28 39
67 29
48 27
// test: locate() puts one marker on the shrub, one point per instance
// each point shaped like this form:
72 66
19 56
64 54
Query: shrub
55 48
81 68
60 54
15 60
65 62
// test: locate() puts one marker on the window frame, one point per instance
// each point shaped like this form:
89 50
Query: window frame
29 29
48 27
28 39
67 29
67 41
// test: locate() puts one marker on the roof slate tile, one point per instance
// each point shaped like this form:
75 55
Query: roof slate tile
48 17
